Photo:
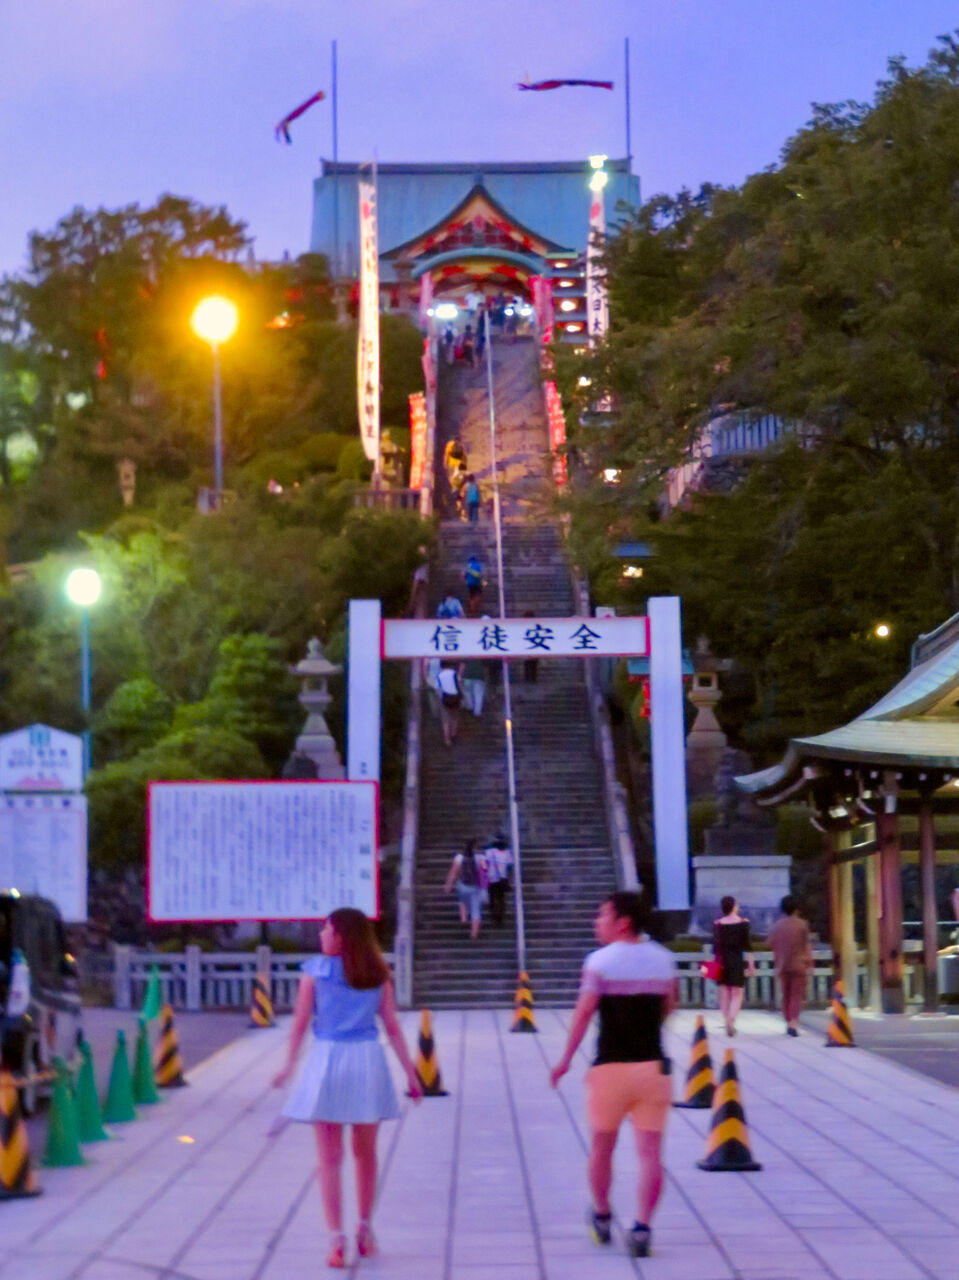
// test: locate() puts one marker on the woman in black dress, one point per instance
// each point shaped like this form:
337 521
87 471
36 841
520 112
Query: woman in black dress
731 949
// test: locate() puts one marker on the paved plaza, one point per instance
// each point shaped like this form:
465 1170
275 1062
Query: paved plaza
860 1176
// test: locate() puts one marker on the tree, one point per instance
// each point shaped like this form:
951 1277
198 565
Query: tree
825 290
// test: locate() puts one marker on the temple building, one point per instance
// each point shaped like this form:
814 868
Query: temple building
883 791
467 227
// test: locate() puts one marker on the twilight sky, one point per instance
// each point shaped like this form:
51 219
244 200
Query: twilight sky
105 102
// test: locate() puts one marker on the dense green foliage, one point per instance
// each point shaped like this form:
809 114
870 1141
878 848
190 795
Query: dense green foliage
201 616
824 290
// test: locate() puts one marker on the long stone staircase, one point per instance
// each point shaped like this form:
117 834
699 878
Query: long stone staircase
567 864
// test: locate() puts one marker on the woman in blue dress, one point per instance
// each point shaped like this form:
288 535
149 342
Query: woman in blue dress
345 1079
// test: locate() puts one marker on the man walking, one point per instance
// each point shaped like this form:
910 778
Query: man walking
789 939
631 982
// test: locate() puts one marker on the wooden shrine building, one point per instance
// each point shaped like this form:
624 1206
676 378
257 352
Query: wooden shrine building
884 790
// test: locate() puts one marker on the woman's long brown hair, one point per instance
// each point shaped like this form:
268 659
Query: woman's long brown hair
363 965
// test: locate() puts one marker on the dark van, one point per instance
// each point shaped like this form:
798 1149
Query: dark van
51 1022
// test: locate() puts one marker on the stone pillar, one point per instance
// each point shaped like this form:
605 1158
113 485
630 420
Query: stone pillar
890 901
927 878
315 741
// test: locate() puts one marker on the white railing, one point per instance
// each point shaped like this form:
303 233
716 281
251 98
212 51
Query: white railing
731 435
696 992
195 979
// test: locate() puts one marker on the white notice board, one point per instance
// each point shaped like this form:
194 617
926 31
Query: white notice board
454 638
261 850
43 849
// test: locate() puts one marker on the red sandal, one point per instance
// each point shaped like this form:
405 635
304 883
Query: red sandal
365 1241
336 1257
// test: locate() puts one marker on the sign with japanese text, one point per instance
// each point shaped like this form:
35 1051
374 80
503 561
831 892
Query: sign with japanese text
368 337
453 638
417 439
597 299
261 850
43 849
39 758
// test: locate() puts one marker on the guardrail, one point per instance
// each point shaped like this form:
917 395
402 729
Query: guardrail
696 992
194 979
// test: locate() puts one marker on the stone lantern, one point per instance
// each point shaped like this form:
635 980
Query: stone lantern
127 477
316 743
706 742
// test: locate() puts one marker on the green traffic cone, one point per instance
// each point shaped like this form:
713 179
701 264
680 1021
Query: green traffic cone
118 1108
144 1089
63 1142
153 999
89 1120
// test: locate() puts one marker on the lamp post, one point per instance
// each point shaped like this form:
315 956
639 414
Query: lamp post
215 320
83 588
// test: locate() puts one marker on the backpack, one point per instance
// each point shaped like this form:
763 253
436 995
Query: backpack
470 870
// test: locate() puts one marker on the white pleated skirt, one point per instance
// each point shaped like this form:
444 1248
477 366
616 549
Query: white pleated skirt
343 1082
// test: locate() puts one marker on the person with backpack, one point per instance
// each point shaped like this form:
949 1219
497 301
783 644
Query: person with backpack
468 872
472 499
473 577
451 607
451 699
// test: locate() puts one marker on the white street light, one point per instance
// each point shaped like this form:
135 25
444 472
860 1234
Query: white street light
83 587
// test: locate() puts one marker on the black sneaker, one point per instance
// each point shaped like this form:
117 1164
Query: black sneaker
600 1226
791 1031
638 1240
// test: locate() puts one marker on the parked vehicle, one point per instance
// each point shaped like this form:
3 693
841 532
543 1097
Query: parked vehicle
40 1011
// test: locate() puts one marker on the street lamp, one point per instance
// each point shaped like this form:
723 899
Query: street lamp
83 589
215 320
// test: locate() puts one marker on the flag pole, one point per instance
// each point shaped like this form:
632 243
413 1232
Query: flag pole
336 177
629 143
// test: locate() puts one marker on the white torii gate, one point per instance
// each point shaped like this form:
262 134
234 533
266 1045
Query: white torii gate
656 636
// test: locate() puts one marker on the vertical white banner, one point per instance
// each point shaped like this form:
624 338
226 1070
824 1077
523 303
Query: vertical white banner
669 753
363 673
597 299
368 336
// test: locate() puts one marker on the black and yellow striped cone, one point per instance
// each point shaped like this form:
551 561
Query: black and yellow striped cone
261 1010
727 1147
427 1066
16 1176
839 1032
168 1065
699 1078
523 1005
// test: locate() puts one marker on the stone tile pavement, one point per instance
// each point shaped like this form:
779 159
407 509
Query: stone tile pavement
860 1176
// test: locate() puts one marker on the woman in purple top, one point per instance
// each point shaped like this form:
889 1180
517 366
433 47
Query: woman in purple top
345 1079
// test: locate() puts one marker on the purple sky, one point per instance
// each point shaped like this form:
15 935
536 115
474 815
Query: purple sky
114 101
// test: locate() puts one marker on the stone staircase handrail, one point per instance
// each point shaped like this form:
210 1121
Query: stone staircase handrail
614 793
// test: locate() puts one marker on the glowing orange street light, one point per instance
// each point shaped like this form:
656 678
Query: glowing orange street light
215 320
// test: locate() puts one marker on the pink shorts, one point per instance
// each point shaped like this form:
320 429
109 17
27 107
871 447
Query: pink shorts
640 1090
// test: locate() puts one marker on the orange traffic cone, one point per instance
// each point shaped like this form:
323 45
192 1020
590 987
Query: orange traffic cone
699 1077
727 1147
261 1009
523 1005
839 1032
16 1176
427 1066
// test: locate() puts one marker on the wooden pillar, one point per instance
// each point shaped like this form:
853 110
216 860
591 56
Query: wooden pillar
927 879
848 967
890 901
872 930
835 912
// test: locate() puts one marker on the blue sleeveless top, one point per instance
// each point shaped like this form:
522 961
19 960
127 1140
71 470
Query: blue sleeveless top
340 1012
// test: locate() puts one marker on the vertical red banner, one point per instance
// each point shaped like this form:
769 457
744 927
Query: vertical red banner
417 439
557 431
